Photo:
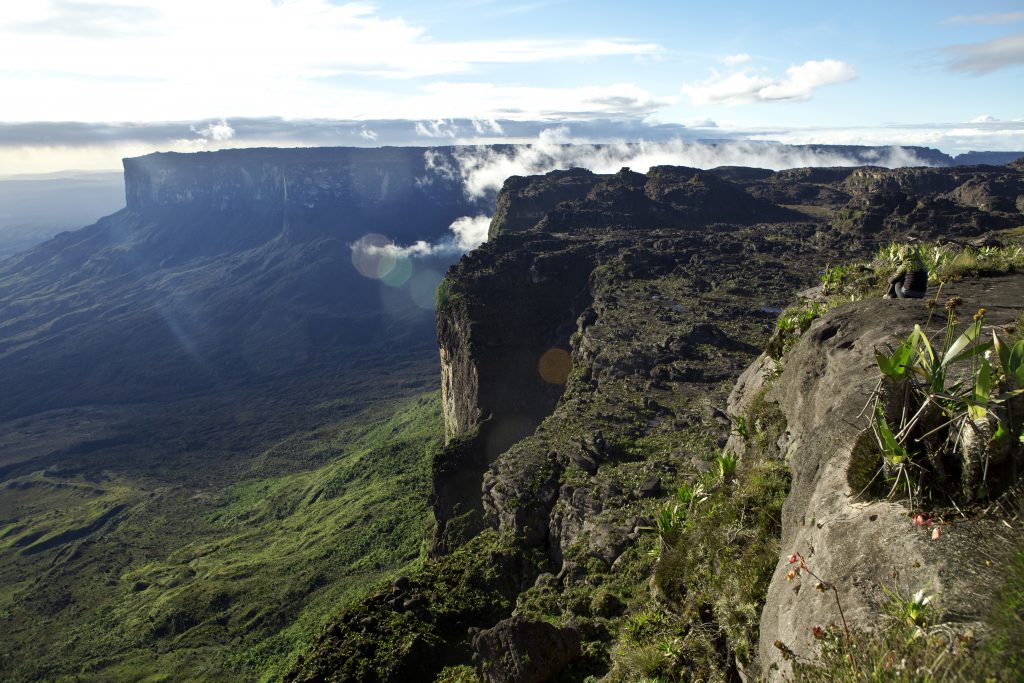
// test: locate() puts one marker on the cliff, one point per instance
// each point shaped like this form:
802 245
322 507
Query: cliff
864 542
225 269
649 294
328 189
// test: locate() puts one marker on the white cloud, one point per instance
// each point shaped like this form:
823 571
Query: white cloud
468 233
979 59
240 57
1004 18
520 102
483 170
733 60
213 135
487 126
440 128
368 134
217 132
984 118
1003 136
747 86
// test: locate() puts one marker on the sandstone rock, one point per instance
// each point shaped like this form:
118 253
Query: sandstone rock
859 545
518 650
649 488
606 542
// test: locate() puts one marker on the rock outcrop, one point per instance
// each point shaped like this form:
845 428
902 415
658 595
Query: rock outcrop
518 650
847 538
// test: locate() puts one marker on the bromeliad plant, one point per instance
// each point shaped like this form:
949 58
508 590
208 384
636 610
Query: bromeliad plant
944 421
674 515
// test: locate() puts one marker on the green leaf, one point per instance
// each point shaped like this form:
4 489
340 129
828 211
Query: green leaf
979 401
953 353
1002 352
928 360
1015 364
1007 395
893 451
1000 433
982 385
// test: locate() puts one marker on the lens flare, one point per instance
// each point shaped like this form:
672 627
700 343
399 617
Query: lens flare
422 287
555 365
394 271
370 258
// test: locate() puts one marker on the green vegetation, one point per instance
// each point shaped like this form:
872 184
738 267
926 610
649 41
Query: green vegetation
912 644
948 423
443 295
417 626
719 542
142 578
853 282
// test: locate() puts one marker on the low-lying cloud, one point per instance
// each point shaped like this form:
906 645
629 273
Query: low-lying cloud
483 170
214 133
468 233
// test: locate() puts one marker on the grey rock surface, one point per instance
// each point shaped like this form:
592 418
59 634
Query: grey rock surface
518 650
861 544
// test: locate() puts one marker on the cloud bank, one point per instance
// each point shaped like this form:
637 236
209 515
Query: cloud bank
483 170
44 147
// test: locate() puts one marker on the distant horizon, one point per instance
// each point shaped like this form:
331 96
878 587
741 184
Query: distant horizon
124 141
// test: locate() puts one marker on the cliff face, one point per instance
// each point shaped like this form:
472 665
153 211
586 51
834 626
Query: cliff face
226 267
660 288
329 189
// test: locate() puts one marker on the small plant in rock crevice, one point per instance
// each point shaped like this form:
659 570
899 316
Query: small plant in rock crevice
949 423
909 645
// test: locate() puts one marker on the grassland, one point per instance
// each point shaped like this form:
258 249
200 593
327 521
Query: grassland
116 573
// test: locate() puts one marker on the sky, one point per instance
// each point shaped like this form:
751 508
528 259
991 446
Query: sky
83 83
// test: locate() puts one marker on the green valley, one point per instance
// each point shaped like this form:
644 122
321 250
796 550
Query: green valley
147 579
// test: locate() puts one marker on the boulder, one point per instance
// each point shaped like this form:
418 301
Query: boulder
520 650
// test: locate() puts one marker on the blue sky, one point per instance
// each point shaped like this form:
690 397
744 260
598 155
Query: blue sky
941 74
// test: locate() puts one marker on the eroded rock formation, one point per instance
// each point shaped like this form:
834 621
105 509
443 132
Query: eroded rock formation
662 288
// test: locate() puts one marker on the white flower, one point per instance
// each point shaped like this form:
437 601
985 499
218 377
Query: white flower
921 599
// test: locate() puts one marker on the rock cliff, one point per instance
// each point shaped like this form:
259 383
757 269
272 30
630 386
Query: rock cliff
225 268
587 352
331 190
